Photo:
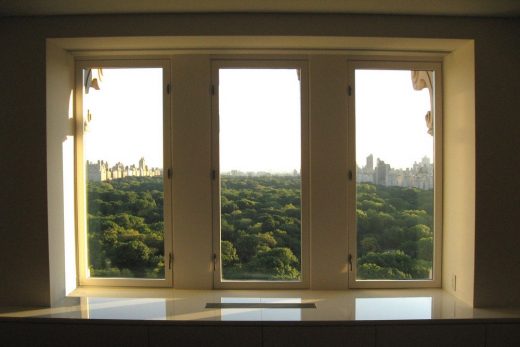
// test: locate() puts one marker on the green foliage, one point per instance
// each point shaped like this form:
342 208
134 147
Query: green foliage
261 218
229 253
126 228
260 229
369 271
247 246
276 263
395 238
425 249
389 259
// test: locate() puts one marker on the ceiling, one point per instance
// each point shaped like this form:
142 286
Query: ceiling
488 8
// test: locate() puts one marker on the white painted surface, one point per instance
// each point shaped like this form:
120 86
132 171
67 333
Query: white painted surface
60 172
459 173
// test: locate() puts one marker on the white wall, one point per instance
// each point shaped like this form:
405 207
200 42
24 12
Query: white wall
459 173
60 172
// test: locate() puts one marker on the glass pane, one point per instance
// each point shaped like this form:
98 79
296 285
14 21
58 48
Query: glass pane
395 170
123 148
260 161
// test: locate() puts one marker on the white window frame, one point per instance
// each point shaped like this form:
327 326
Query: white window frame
270 63
398 63
80 174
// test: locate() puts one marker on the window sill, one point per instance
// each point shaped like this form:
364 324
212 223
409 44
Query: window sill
189 305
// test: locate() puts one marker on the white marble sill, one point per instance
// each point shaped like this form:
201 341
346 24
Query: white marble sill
189 305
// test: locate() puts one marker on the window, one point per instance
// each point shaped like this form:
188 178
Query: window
240 135
122 161
260 177
395 148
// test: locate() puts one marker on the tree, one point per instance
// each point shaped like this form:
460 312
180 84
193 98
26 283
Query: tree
268 223
229 253
228 207
391 260
267 239
369 271
369 244
278 263
120 243
133 255
247 246
425 249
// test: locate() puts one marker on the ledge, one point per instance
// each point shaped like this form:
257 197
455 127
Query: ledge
342 307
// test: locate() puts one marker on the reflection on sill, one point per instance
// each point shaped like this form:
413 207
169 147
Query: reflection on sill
261 314
190 305
393 308
137 309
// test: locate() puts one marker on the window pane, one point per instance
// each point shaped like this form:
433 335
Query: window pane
260 161
123 148
395 170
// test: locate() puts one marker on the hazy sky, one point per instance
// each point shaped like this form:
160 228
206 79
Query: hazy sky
127 117
259 118
390 118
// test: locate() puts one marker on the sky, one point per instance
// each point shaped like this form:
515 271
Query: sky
260 119
390 118
127 117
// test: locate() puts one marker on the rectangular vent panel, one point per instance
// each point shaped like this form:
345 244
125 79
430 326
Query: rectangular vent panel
259 305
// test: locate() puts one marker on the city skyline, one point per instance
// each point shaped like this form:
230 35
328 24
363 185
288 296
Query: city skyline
383 159
101 170
236 171
419 175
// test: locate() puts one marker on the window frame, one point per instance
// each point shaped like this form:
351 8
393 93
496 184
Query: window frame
397 63
267 61
275 62
80 174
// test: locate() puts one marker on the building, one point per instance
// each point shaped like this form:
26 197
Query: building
101 171
366 173
481 135
420 175
382 172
